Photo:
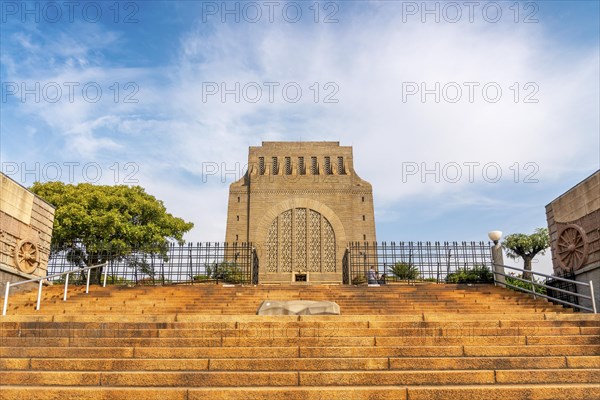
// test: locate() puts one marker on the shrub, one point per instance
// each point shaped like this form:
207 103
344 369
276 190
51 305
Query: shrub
405 271
147 282
116 280
227 272
512 280
359 280
74 279
200 278
477 274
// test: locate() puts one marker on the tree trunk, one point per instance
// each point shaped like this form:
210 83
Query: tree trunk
527 267
96 273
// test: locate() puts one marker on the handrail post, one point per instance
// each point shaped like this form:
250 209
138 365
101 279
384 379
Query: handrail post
66 286
593 297
39 299
5 307
532 284
41 282
105 276
87 285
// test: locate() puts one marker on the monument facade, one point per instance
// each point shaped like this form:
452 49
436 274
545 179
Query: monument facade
574 228
300 203
26 223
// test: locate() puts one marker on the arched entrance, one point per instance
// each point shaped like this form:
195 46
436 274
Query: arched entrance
300 239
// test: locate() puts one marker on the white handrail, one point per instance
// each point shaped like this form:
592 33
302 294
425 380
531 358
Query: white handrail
534 284
43 278
593 297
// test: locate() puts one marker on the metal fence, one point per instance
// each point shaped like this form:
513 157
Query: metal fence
189 263
432 261
561 290
568 295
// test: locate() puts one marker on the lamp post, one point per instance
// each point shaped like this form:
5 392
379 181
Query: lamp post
497 257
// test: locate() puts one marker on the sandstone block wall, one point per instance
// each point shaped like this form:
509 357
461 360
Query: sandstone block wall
574 226
307 197
26 223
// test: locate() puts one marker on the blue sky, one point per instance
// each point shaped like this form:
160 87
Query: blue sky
463 119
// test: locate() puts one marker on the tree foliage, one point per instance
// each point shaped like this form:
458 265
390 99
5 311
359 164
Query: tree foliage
122 218
520 245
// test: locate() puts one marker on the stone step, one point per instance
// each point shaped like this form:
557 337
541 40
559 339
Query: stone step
361 378
298 364
250 303
302 378
393 292
154 352
531 319
305 328
291 330
321 341
245 322
131 308
452 351
478 392
260 292
293 352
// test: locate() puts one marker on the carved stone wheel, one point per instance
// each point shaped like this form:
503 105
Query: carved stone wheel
27 256
572 247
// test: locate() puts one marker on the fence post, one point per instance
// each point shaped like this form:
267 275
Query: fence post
39 299
105 276
349 263
66 286
591 293
250 251
87 285
532 285
5 307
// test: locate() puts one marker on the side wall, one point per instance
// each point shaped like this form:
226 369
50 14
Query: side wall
580 207
23 217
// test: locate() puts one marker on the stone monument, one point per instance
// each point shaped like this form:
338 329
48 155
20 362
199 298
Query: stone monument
300 203
26 223
574 227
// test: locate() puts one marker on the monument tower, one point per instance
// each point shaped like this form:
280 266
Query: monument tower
300 203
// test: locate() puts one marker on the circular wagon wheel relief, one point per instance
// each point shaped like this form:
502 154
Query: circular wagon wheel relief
27 256
572 247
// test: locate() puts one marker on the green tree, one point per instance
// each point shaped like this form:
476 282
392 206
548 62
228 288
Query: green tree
90 219
520 245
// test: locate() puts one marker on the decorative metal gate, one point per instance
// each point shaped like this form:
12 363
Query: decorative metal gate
300 239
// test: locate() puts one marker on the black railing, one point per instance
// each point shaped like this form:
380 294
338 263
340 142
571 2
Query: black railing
561 290
189 263
429 261
547 288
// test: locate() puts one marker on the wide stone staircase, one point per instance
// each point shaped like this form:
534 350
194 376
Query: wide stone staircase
205 342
